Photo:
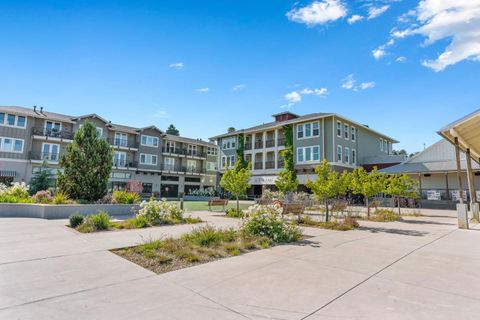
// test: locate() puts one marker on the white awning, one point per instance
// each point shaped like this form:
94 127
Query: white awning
8 173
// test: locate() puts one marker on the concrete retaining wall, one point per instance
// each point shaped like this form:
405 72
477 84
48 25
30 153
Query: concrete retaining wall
46 211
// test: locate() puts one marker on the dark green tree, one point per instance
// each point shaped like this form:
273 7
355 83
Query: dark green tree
87 165
230 129
242 163
287 179
42 180
172 130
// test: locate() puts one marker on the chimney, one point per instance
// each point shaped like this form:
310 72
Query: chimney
41 109
35 109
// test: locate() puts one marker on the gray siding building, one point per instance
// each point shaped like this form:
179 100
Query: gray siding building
166 165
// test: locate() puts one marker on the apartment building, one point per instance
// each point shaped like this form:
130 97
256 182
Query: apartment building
344 143
166 165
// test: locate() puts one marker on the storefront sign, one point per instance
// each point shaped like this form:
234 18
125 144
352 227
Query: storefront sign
263 180
433 195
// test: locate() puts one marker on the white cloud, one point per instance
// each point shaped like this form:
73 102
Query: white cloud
354 18
349 83
160 114
202 90
401 59
239 87
317 92
455 20
318 12
176 65
367 85
378 53
293 97
374 12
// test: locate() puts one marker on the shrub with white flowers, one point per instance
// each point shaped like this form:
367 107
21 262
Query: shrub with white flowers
158 212
16 193
266 221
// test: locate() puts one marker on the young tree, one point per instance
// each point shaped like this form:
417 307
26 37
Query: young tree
87 165
286 182
367 184
401 186
42 180
172 130
329 184
236 180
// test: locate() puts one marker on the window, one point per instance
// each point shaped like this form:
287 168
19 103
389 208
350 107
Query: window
339 129
119 159
231 161
224 161
148 159
354 133
339 153
192 149
212 151
229 143
347 154
50 151
346 131
99 131
11 145
315 128
146 188
354 156
385 146
381 144
12 120
308 154
300 131
169 164
211 166
121 139
308 130
149 141
170 146
191 165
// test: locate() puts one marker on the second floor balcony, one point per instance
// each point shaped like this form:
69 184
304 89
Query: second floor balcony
181 169
123 163
184 152
53 133
45 156
122 143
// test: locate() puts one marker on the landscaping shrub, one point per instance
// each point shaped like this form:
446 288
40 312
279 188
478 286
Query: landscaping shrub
159 212
385 215
266 221
76 219
126 197
61 198
232 213
16 193
99 221
43 196
349 223
137 223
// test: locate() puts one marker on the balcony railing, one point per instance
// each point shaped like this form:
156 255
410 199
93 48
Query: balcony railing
181 169
248 146
270 143
117 142
270 165
45 156
184 152
280 141
258 165
124 163
258 144
52 132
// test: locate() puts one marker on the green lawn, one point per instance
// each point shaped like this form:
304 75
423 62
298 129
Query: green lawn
190 206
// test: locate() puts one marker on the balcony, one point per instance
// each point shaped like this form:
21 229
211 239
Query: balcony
45 156
122 163
258 166
184 152
270 143
259 144
281 142
122 143
248 146
270 165
181 169
52 133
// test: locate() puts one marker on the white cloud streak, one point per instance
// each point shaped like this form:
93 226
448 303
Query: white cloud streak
349 83
177 65
318 12
202 89
374 12
355 18
239 87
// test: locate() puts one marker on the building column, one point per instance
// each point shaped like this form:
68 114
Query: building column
474 208
275 155
276 138
264 139
446 185
462 210
253 144
264 158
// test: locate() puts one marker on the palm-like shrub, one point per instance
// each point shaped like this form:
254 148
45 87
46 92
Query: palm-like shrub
125 197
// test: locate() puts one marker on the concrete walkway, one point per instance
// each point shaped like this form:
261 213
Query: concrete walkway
422 268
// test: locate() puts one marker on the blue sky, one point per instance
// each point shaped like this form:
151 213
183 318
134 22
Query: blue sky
151 62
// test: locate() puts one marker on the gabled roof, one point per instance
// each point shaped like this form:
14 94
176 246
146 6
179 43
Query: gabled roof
172 137
29 112
311 116
149 127
92 115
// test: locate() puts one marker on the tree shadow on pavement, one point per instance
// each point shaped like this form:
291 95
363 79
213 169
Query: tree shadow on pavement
403 232
427 222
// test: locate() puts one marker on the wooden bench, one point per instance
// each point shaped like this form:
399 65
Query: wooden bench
217 202
293 208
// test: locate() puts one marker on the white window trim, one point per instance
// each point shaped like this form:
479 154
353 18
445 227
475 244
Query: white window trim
53 123
353 133
341 153
304 153
151 157
381 144
50 150
311 130
341 129
15 125
347 131
149 145
354 159
223 162
230 141
346 151
2 142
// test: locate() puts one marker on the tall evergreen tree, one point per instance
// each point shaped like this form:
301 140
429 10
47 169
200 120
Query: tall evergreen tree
172 130
87 165
42 180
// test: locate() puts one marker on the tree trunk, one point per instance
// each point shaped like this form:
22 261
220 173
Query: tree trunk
398 200
238 206
368 208
326 210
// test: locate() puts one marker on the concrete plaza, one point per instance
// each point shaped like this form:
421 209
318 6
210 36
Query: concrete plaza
421 268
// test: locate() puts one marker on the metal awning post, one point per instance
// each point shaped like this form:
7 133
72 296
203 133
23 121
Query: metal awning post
474 208
462 210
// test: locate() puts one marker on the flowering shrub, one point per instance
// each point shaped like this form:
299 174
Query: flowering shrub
266 221
16 193
271 195
158 212
43 196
